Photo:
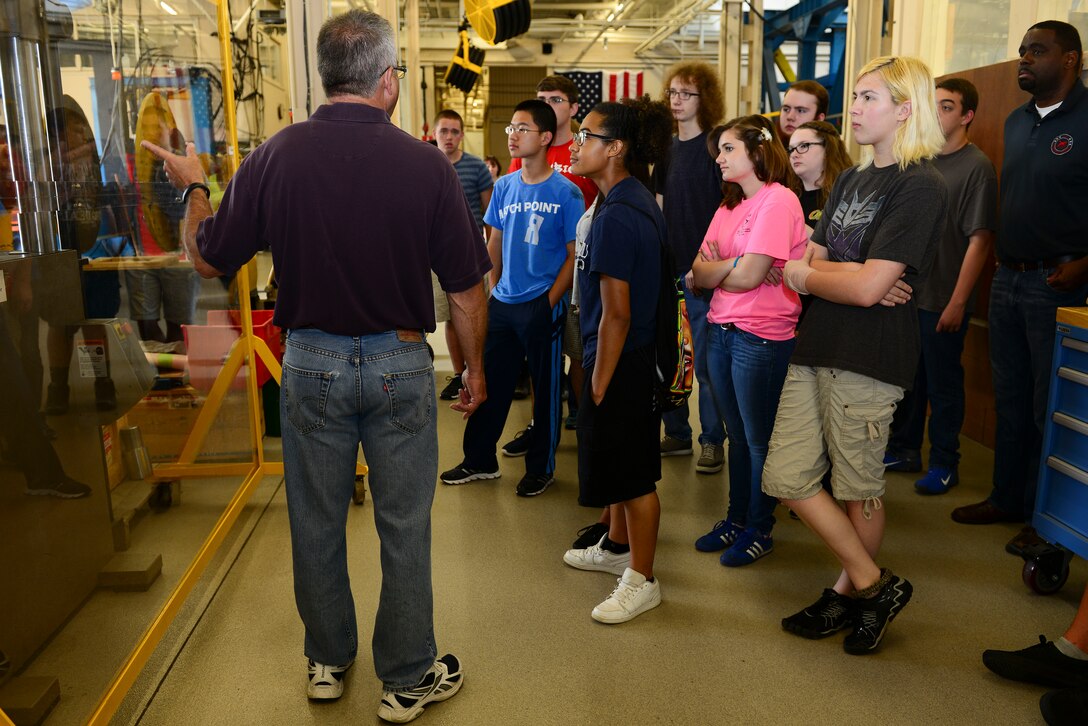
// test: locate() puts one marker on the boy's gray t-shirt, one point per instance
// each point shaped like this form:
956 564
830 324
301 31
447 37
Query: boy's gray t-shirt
883 214
972 206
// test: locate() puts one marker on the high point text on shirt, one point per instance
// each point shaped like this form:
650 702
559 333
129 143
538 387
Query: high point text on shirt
534 206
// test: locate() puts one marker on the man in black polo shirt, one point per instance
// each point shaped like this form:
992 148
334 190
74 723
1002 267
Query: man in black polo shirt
356 213
1042 252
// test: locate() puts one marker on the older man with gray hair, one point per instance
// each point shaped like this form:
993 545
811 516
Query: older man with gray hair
356 214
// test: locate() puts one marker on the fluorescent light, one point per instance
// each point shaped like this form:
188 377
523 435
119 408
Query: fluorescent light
167 7
611 17
619 7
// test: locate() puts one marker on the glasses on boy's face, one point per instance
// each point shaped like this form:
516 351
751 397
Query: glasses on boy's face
580 137
803 147
520 130
682 95
554 100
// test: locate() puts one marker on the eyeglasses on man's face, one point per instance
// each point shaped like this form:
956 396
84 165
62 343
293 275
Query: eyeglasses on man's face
682 95
802 148
581 136
399 71
520 130
554 100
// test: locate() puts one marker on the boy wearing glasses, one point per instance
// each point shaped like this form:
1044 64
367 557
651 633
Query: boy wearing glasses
689 189
533 215
561 94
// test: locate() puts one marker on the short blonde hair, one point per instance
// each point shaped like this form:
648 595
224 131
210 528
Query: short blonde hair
909 79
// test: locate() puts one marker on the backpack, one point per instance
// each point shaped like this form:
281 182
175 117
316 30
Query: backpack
672 355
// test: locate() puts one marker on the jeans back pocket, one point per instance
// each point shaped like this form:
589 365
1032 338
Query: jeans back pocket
411 398
306 394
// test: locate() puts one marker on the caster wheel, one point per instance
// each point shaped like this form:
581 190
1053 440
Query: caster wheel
359 496
1043 580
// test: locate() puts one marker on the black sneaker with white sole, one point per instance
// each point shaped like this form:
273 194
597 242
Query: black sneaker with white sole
828 615
533 484
462 474
874 614
441 682
519 445
326 682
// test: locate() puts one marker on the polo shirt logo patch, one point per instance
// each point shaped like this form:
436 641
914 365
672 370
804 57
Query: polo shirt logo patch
1062 144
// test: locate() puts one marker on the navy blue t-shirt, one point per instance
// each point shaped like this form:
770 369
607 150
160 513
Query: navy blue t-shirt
624 243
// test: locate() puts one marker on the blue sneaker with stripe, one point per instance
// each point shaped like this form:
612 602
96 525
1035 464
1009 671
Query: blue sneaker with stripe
749 547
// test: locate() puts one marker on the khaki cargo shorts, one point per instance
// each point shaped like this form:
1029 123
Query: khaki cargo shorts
830 417
441 302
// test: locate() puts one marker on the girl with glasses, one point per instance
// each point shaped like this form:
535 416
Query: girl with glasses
619 274
752 320
818 156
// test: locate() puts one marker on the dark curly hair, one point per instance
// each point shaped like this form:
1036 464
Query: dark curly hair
768 155
645 128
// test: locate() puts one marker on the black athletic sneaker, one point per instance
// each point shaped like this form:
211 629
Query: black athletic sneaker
874 614
1042 663
462 474
533 484
66 488
590 535
452 389
440 683
519 445
827 616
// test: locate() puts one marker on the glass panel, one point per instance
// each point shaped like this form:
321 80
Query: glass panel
110 343
980 34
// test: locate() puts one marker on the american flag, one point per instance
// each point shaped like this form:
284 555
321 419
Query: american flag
597 86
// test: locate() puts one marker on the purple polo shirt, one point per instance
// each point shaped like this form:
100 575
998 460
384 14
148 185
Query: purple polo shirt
357 213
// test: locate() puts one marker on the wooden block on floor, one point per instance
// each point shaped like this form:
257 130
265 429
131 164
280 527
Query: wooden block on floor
133 571
122 531
28 700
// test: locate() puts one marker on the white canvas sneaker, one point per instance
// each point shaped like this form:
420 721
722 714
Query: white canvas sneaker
633 596
598 558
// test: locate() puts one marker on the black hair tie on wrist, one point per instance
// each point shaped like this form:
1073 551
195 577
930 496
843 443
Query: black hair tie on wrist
194 186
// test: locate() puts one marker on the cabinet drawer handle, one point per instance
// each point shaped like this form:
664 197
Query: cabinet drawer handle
1075 344
1068 469
1075 376
1073 424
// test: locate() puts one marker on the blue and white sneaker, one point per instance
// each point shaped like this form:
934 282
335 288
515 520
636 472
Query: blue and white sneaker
722 536
896 461
938 480
749 547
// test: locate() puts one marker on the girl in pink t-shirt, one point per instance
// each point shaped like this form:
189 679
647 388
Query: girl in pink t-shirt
752 320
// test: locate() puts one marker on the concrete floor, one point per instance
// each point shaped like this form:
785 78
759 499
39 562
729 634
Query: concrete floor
519 618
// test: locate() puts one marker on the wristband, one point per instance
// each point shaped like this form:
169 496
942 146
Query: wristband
193 187
736 260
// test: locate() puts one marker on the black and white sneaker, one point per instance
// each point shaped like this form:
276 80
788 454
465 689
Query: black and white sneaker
534 484
326 682
519 445
462 474
440 683
452 390
874 614
827 616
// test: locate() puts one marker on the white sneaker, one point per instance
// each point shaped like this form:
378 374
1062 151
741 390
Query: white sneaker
633 596
598 558
441 682
326 682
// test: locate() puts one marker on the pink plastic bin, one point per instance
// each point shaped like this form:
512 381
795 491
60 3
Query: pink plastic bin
209 345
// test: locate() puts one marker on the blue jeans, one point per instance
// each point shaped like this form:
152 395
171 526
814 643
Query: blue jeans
1023 308
939 381
746 376
710 418
339 392
530 330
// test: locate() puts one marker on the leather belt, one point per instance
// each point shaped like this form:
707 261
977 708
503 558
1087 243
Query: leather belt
1030 265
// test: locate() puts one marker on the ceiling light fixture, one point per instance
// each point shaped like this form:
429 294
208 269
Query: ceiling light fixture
167 7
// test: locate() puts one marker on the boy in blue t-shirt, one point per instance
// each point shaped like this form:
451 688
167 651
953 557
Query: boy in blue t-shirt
533 217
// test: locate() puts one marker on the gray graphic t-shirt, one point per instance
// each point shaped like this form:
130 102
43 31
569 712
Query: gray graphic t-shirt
884 214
